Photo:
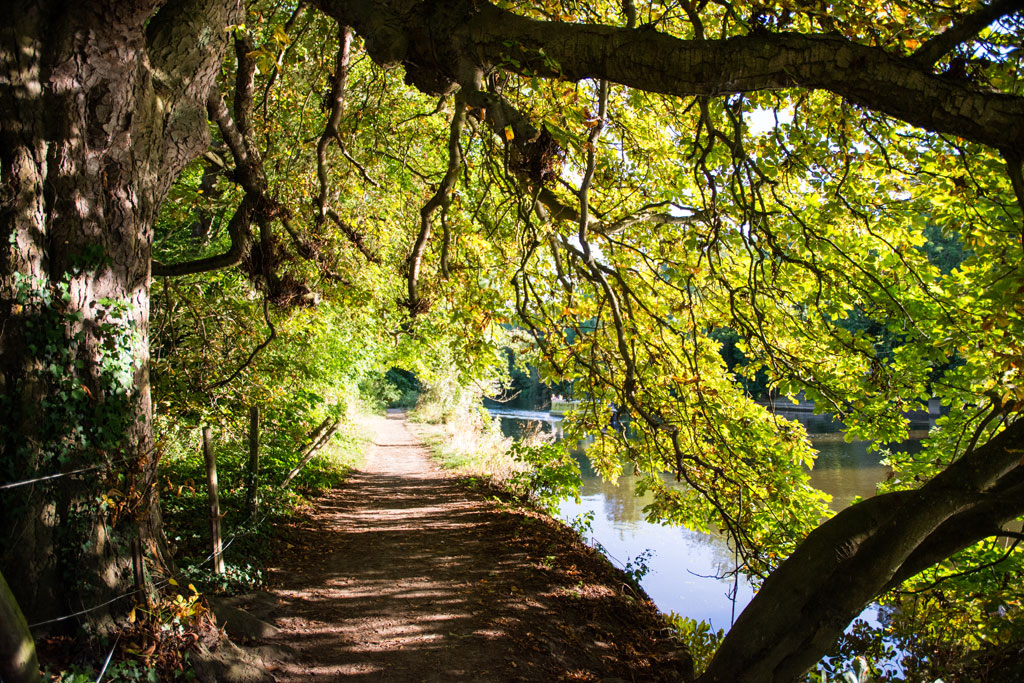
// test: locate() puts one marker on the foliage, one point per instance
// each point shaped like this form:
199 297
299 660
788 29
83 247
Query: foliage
637 567
583 524
551 475
700 639
779 242
87 420
184 496
470 444
151 645
949 623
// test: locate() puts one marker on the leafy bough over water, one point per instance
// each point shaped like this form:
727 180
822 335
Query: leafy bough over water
551 476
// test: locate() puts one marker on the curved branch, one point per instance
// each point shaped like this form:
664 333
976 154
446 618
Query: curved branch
338 84
656 62
805 604
252 356
439 200
646 59
241 244
588 175
983 520
237 131
355 237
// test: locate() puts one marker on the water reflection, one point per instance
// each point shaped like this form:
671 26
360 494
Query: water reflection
683 569
684 564
848 470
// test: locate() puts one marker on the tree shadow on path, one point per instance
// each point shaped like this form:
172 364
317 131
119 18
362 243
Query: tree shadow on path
408 574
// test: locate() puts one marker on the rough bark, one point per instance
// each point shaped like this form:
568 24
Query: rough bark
100 108
18 661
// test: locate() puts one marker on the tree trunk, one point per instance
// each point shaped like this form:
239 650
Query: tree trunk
92 132
871 547
18 661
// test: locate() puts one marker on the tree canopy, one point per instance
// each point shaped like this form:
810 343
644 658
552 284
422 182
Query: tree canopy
836 186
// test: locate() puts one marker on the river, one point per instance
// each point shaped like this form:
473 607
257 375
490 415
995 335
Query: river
683 565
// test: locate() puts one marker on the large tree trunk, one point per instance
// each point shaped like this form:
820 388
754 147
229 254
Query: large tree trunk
871 547
100 108
18 661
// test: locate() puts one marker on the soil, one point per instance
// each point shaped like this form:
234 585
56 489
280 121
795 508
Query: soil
407 573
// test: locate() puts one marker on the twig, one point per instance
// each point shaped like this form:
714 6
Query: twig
262 345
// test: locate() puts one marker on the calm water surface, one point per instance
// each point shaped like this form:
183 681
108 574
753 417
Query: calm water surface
684 566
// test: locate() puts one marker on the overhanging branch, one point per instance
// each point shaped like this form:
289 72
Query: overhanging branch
337 99
968 27
355 237
870 76
239 229
440 200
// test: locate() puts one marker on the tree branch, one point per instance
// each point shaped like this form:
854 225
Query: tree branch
248 171
439 200
341 63
354 237
252 356
1003 504
588 175
1015 170
659 63
861 552
239 229
185 45
935 48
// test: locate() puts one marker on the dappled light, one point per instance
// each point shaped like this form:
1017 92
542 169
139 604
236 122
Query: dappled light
407 571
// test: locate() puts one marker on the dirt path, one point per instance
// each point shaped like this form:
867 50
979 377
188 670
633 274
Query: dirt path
406 574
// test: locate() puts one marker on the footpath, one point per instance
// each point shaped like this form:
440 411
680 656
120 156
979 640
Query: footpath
406 573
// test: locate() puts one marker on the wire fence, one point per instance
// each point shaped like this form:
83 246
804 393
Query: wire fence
163 583
59 475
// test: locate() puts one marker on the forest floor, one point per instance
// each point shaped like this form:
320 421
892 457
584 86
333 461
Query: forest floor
407 573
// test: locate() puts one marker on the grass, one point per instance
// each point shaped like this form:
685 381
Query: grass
469 445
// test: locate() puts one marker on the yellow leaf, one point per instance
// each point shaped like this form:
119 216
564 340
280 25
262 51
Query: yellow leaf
508 133
131 616
172 582
281 36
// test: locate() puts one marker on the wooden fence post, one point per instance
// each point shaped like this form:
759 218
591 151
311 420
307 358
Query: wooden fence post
254 461
211 482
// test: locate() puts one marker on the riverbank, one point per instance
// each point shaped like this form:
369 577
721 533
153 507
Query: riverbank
408 573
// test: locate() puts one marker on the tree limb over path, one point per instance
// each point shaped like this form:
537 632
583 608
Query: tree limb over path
442 37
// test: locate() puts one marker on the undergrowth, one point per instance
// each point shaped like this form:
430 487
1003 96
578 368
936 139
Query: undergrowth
247 540
153 644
